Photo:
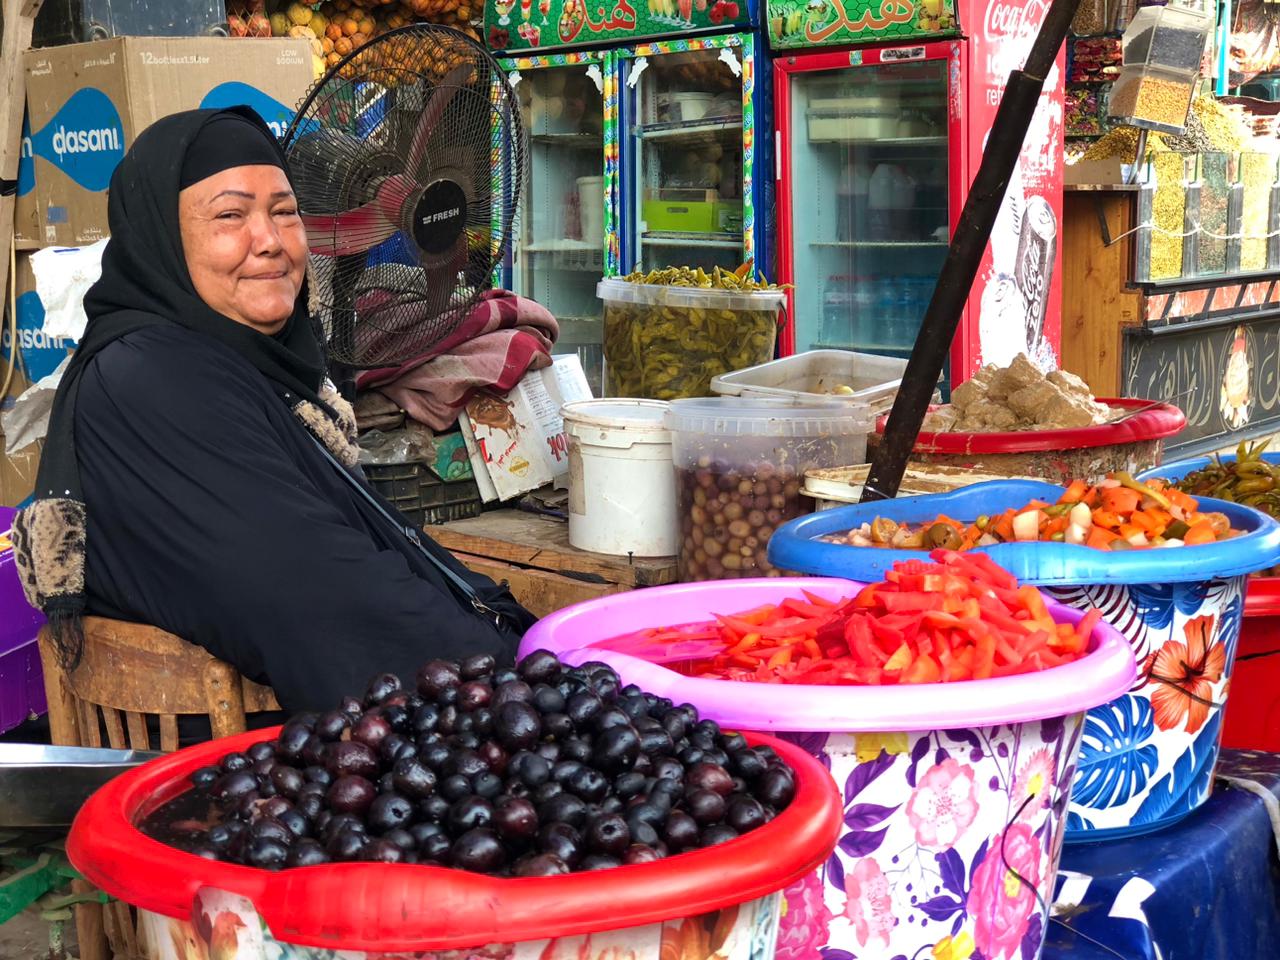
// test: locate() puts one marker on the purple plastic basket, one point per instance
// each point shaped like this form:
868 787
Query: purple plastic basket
21 679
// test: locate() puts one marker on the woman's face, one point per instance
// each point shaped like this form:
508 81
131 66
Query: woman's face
245 245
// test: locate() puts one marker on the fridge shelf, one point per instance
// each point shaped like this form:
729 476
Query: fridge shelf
573 141
894 244
726 240
889 143
702 130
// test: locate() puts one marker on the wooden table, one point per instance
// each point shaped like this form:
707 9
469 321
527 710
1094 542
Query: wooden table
533 555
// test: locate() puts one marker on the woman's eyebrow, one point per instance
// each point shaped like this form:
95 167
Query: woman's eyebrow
278 195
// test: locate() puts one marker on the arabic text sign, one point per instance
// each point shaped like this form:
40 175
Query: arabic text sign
806 23
541 24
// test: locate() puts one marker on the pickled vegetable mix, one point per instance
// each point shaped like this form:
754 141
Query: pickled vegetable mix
1248 479
960 617
1120 513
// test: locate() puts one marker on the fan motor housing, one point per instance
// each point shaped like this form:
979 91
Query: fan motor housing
439 216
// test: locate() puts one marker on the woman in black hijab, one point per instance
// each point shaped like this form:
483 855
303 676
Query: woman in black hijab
195 475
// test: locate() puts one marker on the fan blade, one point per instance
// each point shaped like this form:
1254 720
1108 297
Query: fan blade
361 229
444 94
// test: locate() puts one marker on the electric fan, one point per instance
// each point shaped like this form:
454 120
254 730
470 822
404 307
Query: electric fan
408 158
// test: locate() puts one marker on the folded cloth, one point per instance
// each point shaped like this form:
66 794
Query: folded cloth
377 412
503 337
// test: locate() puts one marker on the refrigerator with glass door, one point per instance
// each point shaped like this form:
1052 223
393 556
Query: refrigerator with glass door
877 144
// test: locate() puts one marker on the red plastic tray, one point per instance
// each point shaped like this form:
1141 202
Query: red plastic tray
394 907
1156 423
1252 720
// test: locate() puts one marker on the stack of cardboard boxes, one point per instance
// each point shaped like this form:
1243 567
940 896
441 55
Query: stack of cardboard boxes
85 104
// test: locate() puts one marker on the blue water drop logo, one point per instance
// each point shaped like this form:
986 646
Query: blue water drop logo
85 139
235 94
26 160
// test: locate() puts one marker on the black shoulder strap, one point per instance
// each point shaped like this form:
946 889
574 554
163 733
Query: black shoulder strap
465 589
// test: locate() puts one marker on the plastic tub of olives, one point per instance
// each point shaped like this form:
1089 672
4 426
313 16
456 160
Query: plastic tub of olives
702 894
740 466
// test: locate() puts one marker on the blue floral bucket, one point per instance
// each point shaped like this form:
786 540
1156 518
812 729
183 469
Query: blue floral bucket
1146 758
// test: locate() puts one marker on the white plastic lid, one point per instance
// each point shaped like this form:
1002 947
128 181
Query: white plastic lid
617 412
749 417
653 294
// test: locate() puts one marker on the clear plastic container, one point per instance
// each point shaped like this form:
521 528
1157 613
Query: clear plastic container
1152 98
667 343
858 379
1167 38
740 466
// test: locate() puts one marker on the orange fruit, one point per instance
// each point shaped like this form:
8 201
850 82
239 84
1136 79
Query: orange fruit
367 26
342 5
326 45
342 47
350 26
358 40
333 59
333 31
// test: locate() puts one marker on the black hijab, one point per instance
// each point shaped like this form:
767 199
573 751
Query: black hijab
145 283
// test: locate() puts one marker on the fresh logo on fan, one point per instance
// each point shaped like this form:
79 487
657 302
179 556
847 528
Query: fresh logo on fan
85 139
41 353
26 160
431 218
236 94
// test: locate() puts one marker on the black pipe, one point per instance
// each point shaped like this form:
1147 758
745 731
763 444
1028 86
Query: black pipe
968 243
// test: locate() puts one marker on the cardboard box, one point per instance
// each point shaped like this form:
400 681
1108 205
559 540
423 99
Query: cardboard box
26 222
40 354
517 442
88 101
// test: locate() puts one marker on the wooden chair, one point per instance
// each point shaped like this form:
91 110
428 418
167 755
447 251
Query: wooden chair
130 673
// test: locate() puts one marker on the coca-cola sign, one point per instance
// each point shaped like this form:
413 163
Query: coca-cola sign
1006 20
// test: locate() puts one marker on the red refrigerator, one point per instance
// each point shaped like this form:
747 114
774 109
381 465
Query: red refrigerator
882 111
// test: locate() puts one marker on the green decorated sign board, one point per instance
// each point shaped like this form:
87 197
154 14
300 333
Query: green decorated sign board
544 24
807 23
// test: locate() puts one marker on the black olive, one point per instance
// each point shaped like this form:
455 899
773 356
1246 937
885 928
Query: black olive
565 769
386 784
517 691
435 807
269 828
380 688
494 756
642 832
306 853
435 849
747 764
347 845
709 776
401 838
235 762
673 723
426 718
310 805
545 792
681 831
274 807
691 756
351 707
776 787
350 758
394 747
469 813
641 853
397 714
616 749
609 718
655 742
314 752
745 813
720 833
589 784
318 775
296 822
634 706
262 751
413 778
447 697
350 794
608 834
576 748
517 725
269 854
479 850
464 741
565 808
540 865
205 777
371 729
293 737
530 768
486 784
331 725
218 836
477 665
563 841
421 831
628 784
435 756
454 788
233 786
389 812
473 695
598 862
383 851
549 751
437 675
611 805
541 666
705 806
582 709
466 763
516 820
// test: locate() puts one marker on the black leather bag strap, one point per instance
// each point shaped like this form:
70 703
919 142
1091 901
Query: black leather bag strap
467 592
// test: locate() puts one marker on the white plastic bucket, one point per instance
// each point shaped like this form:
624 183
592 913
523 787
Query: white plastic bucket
591 208
622 491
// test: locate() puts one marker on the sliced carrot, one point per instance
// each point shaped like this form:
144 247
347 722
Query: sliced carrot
1200 532
1100 538
1121 500
1076 492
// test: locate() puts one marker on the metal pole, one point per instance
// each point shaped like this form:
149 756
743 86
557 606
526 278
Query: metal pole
938 328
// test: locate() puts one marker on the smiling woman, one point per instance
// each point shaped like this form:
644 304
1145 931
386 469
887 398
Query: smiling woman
193 474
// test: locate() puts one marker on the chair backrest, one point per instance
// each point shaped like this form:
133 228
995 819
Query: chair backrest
131 672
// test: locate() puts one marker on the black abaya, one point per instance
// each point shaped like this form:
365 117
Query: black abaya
214 515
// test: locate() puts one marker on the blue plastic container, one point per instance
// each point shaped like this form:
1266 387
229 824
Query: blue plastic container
1148 757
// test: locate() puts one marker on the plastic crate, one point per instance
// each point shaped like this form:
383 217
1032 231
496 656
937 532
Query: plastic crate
423 497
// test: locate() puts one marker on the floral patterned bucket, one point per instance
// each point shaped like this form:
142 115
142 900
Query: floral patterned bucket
950 847
1147 758
225 926
952 831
